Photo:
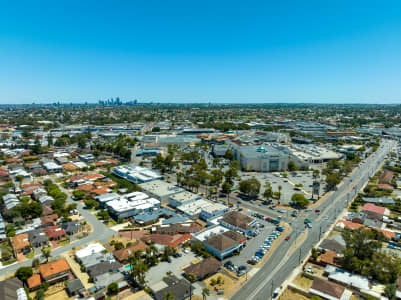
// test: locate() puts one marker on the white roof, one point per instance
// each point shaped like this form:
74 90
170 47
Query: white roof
185 196
195 207
123 204
214 207
357 281
89 250
205 234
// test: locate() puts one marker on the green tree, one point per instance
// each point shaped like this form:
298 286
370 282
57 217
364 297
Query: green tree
112 288
47 253
390 290
229 155
191 277
292 166
249 187
268 193
300 200
332 180
205 293
23 273
168 296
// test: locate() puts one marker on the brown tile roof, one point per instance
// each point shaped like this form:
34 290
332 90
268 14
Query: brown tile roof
20 241
236 236
100 191
206 267
54 268
328 287
386 177
86 187
237 219
34 281
49 219
330 258
69 167
94 176
221 242
123 254
166 239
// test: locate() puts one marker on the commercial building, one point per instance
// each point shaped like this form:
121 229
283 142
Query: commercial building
221 241
126 207
136 174
212 211
193 209
261 158
182 198
237 221
160 189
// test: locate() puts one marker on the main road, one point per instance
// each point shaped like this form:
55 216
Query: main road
289 255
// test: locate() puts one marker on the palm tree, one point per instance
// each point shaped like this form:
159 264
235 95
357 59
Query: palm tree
279 193
168 296
205 292
46 253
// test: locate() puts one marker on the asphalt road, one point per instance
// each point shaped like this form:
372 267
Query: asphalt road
282 263
100 233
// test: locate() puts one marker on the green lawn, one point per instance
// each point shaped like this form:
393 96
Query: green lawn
31 254
64 242
11 261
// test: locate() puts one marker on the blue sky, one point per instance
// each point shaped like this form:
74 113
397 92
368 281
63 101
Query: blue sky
201 51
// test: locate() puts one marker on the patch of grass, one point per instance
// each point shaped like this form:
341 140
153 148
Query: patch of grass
11 261
64 242
31 254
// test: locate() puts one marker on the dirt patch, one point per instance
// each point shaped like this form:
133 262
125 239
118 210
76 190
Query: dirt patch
290 295
133 234
195 297
303 282
228 285
76 269
142 295
21 257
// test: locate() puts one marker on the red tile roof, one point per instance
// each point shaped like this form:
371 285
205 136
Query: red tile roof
34 281
374 208
54 231
385 186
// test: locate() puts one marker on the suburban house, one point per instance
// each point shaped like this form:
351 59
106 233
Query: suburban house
75 287
12 289
54 232
49 220
123 254
34 282
172 241
55 271
237 221
20 243
375 211
72 227
203 269
326 289
180 288
37 238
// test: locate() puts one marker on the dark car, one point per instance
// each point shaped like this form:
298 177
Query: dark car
287 238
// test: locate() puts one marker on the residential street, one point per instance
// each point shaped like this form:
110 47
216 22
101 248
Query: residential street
100 233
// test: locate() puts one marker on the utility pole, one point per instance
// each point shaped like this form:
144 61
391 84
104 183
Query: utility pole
272 290
299 260
320 233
